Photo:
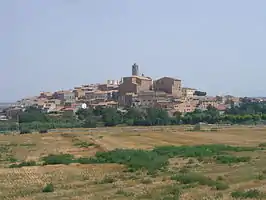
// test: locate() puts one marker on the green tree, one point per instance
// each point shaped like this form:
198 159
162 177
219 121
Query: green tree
111 117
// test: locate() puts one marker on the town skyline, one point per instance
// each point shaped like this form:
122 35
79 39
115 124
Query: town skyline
49 45
8 102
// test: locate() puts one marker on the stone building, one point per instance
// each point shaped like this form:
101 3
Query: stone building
169 85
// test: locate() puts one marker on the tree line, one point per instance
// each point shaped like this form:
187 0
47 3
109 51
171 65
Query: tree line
33 118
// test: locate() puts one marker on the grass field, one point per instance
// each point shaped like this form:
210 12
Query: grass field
197 166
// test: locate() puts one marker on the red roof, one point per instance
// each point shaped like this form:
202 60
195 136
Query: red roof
221 107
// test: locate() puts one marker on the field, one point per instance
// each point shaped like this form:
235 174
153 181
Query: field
229 163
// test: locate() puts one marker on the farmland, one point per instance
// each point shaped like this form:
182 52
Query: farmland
152 163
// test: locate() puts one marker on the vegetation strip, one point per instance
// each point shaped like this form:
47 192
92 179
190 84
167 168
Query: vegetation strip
150 160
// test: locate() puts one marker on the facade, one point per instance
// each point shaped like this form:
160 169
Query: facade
47 95
107 87
79 93
169 85
66 96
149 98
54 101
112 104
135 84
184 107
188 92
144 99
205 103
96 95
49 107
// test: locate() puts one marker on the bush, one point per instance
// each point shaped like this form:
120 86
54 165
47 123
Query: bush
24 131
58 159
83 144
106 180
48 188
191 178
89 123
199 151
146 181
227 159
23 164
43 131
145 159
171 192
262 145
221 186
249 194
134 159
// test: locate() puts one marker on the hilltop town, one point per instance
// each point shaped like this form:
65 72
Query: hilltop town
132 91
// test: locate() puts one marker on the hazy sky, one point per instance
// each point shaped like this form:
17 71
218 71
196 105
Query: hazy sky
216 46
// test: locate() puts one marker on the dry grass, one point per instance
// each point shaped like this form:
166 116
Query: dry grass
110 181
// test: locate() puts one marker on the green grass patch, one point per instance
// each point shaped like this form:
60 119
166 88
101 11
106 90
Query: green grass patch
124 193
192 178
27 145
133 159
155 159
249 194
12 159
58 159
83 144
200 151
167 192
228 159
171 192
23 164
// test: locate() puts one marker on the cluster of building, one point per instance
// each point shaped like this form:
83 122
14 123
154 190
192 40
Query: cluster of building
132 91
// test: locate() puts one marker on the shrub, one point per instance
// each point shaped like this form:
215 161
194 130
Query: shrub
261 176
262 145
134 159
144 159
12 159
24 131
171 192
221 186
23 164
83 144
219 178
106 180
199 151
249 194
191 178
58 159
146 181
43 131
48 188
227 159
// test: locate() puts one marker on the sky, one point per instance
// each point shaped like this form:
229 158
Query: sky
215 46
